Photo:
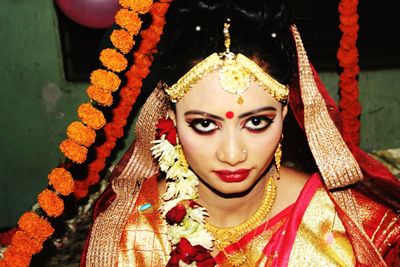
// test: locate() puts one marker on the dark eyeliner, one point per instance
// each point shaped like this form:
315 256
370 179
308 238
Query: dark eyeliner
192 124
263 118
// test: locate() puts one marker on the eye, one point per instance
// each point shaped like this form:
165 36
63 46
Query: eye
203 125
257 123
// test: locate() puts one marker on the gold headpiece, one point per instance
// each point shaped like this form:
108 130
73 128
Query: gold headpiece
235 74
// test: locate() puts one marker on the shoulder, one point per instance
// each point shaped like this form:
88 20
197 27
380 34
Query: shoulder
291 182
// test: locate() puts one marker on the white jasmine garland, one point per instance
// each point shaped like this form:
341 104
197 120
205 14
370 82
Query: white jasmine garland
181 186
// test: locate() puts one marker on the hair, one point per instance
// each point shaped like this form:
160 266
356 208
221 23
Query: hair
194 30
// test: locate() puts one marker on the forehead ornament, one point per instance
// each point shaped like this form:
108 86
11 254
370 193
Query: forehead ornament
235 72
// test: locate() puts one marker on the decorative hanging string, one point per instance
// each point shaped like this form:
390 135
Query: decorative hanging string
348 59
33 230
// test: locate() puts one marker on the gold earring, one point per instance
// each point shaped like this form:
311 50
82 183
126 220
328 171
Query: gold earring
278 157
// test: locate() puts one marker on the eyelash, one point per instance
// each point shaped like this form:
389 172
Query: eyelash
195 123
268 121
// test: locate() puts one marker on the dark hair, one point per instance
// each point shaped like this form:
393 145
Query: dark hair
194 31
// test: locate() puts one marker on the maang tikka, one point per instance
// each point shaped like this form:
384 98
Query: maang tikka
236 71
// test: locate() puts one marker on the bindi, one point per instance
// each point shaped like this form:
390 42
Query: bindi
229 115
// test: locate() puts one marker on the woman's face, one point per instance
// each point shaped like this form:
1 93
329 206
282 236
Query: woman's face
228 145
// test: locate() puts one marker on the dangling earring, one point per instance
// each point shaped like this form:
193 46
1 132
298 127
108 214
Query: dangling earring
278 157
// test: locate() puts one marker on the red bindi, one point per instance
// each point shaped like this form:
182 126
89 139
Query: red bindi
229 115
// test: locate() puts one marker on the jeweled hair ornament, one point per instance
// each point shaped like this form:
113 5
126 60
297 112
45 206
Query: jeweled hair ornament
236 72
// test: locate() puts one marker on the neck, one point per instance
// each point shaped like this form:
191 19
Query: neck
228 210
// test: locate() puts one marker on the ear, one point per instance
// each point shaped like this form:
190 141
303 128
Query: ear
172 116
284 111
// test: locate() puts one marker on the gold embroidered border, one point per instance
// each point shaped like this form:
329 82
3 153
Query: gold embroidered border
107 229
337 165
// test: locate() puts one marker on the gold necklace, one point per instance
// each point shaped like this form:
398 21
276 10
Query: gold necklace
224 236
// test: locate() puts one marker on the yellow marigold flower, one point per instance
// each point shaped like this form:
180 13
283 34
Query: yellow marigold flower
141 6
52 204
113 60
122 40
128 20
73 151
81 134
90 116
62 181
102 97
106 80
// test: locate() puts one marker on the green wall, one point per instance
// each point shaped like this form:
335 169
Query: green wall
37 104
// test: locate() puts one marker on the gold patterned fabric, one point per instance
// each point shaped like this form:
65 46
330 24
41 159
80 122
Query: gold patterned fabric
108 226
321 239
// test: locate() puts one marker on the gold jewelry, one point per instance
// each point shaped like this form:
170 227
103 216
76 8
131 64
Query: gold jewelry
235 74
227 235
278 157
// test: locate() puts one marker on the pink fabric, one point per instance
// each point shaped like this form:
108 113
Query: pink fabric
283 239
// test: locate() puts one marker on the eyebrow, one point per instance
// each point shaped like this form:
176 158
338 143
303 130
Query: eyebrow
243 115
202 113
247 114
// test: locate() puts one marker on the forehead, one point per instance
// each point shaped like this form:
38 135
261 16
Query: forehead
208 95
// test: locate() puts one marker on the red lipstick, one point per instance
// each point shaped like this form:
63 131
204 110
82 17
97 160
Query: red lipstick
233 176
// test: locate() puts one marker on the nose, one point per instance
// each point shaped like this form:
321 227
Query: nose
232 149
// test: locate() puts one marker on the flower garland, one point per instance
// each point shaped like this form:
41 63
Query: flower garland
33 230
122 39
348 60
185 218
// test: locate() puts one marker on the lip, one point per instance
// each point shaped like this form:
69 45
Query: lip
233 176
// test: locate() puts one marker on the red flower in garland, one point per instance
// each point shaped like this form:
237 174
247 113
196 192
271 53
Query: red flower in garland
176 214
187 253
167 127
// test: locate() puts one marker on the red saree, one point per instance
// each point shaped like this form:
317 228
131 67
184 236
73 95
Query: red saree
309 231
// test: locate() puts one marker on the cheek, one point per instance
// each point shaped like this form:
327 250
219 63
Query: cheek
263 145
197 149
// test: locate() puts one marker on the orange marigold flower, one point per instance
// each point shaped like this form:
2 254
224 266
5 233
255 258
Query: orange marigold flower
26 244
3 263
159 9
81 134
106 80
91 116
52 204
141 6
36 227
102 97
122 40
113 60
62 181
128 20
14 257
73 151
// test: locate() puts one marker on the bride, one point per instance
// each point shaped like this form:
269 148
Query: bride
213 179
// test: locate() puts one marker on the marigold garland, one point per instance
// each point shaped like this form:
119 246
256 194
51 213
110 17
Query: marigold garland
106 80
122 40
25 243
13 257
81 134
141 6
348 59
129 93
51 203
62 181
113 60
129 20
73 151
102 97
91 116
38 228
